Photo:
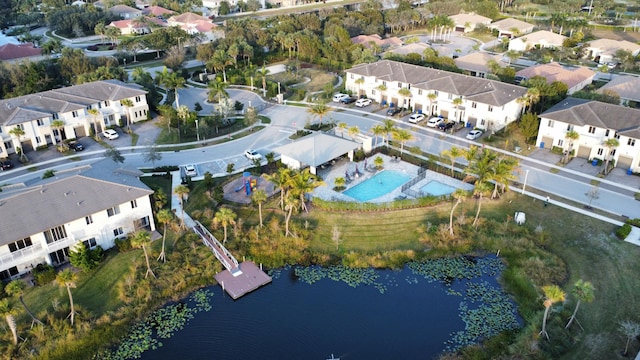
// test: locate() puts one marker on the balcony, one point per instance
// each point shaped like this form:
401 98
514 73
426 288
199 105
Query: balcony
69 241
22 256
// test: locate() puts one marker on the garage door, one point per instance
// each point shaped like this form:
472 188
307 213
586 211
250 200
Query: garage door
444 114
79 131
584 152
624 162
418 107
548 142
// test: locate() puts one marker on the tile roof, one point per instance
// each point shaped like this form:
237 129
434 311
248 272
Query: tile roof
571 76
471 88
157 11
625 121
611 46
462 19
61 200
37 106
17 51
124 9
511 23
477 61
414 48
548 36
366 39
626 86
188 18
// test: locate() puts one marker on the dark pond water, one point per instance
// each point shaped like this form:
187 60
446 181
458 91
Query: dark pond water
395 315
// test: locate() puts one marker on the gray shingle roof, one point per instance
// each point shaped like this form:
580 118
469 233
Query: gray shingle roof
625 121
317 149
36 106
486 91
62 200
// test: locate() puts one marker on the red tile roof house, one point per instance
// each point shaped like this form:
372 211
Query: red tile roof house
576 77
13 51
196 24
366 41
136 27
157 11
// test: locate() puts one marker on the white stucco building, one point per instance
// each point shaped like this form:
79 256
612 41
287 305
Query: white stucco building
486 104
93 205
595 122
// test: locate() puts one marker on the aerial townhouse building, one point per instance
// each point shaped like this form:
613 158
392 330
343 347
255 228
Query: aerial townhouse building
486 104
595 122
35 114
93 205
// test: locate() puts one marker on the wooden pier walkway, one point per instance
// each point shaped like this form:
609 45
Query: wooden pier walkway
237 279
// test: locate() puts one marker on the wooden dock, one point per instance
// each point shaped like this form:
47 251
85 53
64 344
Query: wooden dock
249 280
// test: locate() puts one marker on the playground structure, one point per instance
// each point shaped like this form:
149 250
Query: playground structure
249 183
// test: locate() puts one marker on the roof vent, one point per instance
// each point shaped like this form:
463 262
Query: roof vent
79 203
66 193
42 191
128 189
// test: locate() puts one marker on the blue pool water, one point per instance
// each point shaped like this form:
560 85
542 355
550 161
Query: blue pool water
436 188
380 184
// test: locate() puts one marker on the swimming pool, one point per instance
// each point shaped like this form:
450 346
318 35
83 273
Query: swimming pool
436 188
380 184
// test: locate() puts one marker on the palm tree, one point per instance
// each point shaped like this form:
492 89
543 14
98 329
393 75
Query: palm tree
459 195
290 206
19 133
403 93
259 197
353 132
382 88
171 81
359 81
319 110
480 170
571 136
452 154
99 30
263 74
402 135
479 191
432 98
8 311
141 239
58 126
16 288
217 89
181 191
164 217
224 217
631 330
342 127
68 278
303 183
281 180
456 104
552 295
378 162
339 182
503 173
128 104
94 116
389 127
377 130
583 291
610 144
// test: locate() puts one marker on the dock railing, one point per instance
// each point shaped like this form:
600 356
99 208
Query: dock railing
226 258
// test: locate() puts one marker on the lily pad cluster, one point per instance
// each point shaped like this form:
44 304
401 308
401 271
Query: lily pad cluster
350 276
447 270
161 324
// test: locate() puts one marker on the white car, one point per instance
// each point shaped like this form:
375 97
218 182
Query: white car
339 96
416 118
474 134
434 122
252 155
363 102
110 134
190 170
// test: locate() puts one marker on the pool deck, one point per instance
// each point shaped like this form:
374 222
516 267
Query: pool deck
330 173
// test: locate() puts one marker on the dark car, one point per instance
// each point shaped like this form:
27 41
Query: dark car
444 126
76 146
6 164
348 100
393 111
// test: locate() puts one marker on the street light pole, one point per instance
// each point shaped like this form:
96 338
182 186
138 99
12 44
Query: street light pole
526 174
197 131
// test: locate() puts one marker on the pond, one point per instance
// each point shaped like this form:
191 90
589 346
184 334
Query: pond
311 313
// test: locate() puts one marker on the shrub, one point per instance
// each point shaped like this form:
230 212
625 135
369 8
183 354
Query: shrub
44 274
123 244
48 174
633 222
166 168
623 231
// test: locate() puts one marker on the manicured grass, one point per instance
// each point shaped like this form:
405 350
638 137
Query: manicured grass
159 182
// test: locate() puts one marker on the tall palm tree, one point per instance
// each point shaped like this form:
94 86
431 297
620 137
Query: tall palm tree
571 136
140 240
432 98
389 127
128 104
224 217
552 295
291 203
165 216
378 130
453 153
459 195
610 144
259 197
353 132
382 88
181 191
342 127
456 104
302 183
171 81
402 136
68 278
631 330
220 61
480 170
583 291
479 191
263 74
281 180
217 90
9 311
359 81
319 110
58 126
16 288
503 173
94 116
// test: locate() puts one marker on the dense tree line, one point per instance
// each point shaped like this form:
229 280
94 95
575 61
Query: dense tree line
78 21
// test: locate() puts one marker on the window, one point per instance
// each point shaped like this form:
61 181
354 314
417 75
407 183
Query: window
20 126
631 142
474 105
106 103
113 211
419 92
613 152
88 107
592 129
550 123
351 75
55 234
373 92
8 144
560 142
399 85
118 231
90 243
142 222
40 122
74 114
134 204
7 274
38 140
569 127
600 151
384 83
138 99
436 92
482 122
20 244
99 105
450 96
606 133
88 219
616 136
490 108
56 116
